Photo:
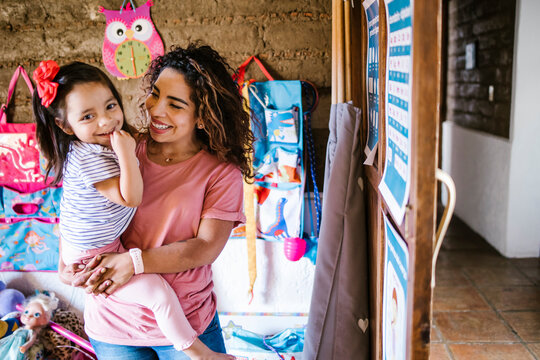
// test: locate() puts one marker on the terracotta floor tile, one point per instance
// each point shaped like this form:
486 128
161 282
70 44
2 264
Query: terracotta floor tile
438 352
535 348
450 298
533 273
465 242
446 260
497 276
474 326
434 336
490 352
525 323
472 259
458 227
450 276
469 272
526 262
513 297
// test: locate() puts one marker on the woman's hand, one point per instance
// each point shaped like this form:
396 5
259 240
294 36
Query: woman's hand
78 274
118 271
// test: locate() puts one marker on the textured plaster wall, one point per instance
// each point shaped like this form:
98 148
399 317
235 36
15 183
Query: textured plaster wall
292 38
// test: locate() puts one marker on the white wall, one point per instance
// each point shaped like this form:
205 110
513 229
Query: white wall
498 180
479 165
523 231
281 285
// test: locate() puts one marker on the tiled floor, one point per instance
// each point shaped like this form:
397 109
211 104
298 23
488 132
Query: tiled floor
485 305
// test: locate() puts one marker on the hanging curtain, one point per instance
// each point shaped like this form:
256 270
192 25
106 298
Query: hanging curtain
338 325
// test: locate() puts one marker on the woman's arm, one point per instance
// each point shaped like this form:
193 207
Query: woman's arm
126 189
172 258
184 255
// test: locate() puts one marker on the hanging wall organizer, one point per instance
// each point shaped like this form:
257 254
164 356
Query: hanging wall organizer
29 207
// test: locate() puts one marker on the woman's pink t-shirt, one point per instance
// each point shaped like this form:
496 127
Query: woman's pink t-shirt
175 198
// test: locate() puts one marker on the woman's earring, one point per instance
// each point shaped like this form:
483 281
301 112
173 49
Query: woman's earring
200 126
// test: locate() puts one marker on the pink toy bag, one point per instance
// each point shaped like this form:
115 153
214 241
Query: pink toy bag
19 154
29 207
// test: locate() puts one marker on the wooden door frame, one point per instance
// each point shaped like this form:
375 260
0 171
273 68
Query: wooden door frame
418 227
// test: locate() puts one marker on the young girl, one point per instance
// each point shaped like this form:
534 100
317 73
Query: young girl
82 133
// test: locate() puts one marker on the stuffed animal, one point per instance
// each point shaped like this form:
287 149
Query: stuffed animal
59 347
9 298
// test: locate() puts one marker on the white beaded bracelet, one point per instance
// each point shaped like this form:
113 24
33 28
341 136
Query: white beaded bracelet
136 256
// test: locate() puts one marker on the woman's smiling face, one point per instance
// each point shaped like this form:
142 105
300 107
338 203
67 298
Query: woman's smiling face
172 113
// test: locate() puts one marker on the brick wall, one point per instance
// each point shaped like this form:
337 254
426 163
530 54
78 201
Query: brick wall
490 25
292 38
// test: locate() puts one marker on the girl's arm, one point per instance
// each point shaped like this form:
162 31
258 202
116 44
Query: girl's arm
127 188
172 258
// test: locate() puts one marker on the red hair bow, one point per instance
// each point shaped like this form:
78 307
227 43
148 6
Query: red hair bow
43 75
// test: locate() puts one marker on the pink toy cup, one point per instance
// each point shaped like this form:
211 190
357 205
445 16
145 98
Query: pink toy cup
294 248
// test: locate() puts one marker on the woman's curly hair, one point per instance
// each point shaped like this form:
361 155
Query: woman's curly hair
217 98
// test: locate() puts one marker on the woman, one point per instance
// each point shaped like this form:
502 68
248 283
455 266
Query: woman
192 160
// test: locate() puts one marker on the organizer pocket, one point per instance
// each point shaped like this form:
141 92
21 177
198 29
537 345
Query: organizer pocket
278 210
44 203
280 165
29 245
282 125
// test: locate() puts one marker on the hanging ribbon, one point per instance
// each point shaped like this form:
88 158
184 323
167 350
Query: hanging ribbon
249 210
124 3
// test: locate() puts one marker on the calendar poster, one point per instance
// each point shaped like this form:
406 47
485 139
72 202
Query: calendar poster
371 8
396 269
395 183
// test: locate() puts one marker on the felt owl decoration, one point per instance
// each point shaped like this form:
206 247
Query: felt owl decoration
131 41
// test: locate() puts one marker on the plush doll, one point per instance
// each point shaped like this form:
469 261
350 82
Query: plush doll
9 298
36 315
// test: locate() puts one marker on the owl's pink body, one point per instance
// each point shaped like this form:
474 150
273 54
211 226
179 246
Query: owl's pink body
129 19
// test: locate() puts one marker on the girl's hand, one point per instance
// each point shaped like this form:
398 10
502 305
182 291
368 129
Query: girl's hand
78 274
119 270
122 143
67 273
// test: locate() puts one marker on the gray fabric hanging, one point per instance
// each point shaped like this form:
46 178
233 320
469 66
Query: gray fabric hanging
338 318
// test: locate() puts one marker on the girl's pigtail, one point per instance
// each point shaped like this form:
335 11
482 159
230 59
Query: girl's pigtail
51 139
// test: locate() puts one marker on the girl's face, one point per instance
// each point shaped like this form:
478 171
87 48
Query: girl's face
172 113
34 316
92 113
